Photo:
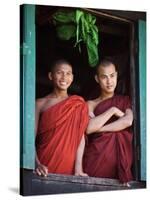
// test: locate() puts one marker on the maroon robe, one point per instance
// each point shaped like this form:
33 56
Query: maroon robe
60 130
109 154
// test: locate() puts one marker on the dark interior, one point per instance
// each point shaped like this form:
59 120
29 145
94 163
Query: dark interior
114 43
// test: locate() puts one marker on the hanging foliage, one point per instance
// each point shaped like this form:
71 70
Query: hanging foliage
81 26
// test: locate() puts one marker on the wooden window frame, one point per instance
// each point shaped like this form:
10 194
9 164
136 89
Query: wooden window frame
133 54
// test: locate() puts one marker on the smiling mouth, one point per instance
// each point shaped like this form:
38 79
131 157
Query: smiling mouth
110 86
63 83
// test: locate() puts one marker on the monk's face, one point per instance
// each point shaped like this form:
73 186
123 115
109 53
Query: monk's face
62 76
107 78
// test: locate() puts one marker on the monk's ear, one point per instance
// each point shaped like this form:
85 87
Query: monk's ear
72 77
50 75
96 78
117 74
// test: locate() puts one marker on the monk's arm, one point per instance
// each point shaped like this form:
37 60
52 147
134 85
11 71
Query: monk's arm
96 123
37 115
79 156
40 169
119 124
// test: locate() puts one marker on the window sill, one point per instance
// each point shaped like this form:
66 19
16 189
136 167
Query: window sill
31 184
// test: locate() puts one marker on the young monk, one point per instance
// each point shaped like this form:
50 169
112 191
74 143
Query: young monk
108 153
61 121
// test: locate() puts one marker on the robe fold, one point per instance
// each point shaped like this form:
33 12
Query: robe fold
60 130
109 154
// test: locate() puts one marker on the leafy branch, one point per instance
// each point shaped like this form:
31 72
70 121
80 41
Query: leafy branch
81 26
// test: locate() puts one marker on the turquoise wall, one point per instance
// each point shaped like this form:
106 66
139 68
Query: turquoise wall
27 69
142 92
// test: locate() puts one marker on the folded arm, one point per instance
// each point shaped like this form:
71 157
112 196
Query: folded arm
119 124
96 123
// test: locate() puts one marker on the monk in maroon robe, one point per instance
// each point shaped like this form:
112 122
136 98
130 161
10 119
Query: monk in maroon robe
61 121
108 152
111 152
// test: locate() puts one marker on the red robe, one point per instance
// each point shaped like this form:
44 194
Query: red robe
59 133
109 154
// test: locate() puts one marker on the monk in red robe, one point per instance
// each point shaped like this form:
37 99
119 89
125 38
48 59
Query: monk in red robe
108 152
61 121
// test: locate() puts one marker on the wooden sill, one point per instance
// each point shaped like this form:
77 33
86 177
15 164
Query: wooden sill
31 184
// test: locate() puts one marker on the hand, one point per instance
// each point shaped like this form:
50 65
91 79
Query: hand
118 112
41 170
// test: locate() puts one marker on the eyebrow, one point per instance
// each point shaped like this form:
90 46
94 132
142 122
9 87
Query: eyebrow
59 70
107 74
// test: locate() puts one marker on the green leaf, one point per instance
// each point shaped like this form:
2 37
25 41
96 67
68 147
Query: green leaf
66 32
84 33
94 35
87 26
64 17
92 52
78 32
93 20
78 15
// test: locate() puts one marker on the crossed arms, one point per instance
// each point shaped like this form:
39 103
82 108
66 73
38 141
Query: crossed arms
97 124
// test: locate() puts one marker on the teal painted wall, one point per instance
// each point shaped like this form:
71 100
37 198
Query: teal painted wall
142 92
27 69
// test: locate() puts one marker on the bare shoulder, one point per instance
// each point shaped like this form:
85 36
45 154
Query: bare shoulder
91 105
93 102
41 102
90 102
